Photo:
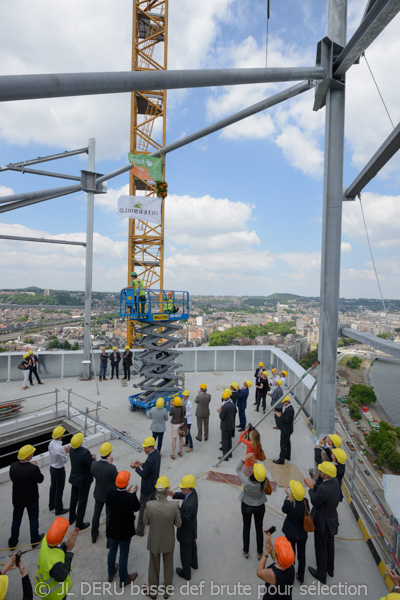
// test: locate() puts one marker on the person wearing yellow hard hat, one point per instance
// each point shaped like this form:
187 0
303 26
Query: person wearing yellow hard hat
323 448
253 499
53 579
282 377
105 474
149 471
122 502
158 415
188 420
58 455
104 357
202 415
227 414
24 365
262 390
26 582
127 358
241 404
115 359
339 459
161 516
325 499
140 293
33 368
177 414
286 418
234 387
295 507
257 377
186 534
80 479
25 476
276 395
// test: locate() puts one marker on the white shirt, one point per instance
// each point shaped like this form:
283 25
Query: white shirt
283 379
58 458
189 412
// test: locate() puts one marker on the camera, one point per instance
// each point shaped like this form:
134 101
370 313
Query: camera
271 530
18 558
251 428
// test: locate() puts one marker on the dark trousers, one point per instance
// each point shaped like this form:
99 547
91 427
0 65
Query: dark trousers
301 556
56 489
242 418
127 372
123 558
277 420
33 514
324 544
35 373
98 507
258 512
114 367
200 422
188 438
158 435
285 446
226 441
144 498
188 551
261 399
103 371
79 496
142 304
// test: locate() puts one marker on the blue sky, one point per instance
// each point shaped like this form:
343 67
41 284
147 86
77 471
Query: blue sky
244 210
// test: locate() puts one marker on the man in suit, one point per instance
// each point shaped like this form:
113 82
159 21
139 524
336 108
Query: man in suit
25 476
120 529
276 395
187 532
286 426
161 516
257 377
202 412
325 499
241 404
105 474
33 368
127 363
115 358
149 472
227 414
80 479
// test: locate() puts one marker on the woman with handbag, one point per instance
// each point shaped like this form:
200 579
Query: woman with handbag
296 508
252 439
253 498
25 366
177 413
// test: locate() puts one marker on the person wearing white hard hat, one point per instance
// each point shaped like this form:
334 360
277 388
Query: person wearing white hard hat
58 457
105 474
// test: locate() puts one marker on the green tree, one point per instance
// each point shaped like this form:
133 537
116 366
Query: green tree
362 393
309 359
75 346
354 409
384 336
28 340
354 363
394 460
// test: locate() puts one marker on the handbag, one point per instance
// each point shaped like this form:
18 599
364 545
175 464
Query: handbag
308 523
21 366
268 487
183 430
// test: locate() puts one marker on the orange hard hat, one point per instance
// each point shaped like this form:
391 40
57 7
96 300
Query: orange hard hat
122 479
284 552
57 531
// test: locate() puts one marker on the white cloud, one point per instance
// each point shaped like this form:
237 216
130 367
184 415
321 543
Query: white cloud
301 150
346 247
5 191
382 215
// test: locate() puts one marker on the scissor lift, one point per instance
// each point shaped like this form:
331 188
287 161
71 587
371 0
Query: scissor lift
155 326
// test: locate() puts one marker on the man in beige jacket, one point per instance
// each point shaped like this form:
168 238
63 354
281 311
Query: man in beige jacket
202 400
161 515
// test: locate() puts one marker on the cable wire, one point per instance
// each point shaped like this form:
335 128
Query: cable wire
379 92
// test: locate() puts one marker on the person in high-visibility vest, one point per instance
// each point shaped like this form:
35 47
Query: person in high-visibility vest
53 581
168 304
138 286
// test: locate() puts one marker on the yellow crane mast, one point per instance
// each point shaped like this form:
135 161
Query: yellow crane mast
147 135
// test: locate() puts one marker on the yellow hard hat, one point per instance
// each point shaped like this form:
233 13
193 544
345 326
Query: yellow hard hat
203 386
76 440
225 396
126 347
284 373
114 347
177 401
391 596
260 364
340 455
297 489
162 483
286 399
26 451
30 352
186 393
228 391
188 481
106 449
25 355
335 439
3 586
235 385
328 468
103 347
248 383
274 370
149 441
265 373
160 403
58 432
260 472
278 381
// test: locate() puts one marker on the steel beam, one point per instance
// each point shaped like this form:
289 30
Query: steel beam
392 348
27 87
23 170
388 149
374 22
41 159
86 363
29 239
41 194
331 236
41 198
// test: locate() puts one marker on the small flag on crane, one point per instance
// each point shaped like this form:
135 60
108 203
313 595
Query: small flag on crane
147 168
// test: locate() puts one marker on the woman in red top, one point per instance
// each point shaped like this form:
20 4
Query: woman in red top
253 445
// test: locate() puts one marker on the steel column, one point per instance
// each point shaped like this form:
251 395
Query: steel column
89 268
331 236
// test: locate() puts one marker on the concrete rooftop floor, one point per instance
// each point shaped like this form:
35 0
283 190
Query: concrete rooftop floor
219 518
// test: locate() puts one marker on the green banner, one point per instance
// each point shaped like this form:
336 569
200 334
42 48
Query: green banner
148 168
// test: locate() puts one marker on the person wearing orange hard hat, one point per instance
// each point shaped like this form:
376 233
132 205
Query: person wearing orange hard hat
149 471
278 576
53 579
